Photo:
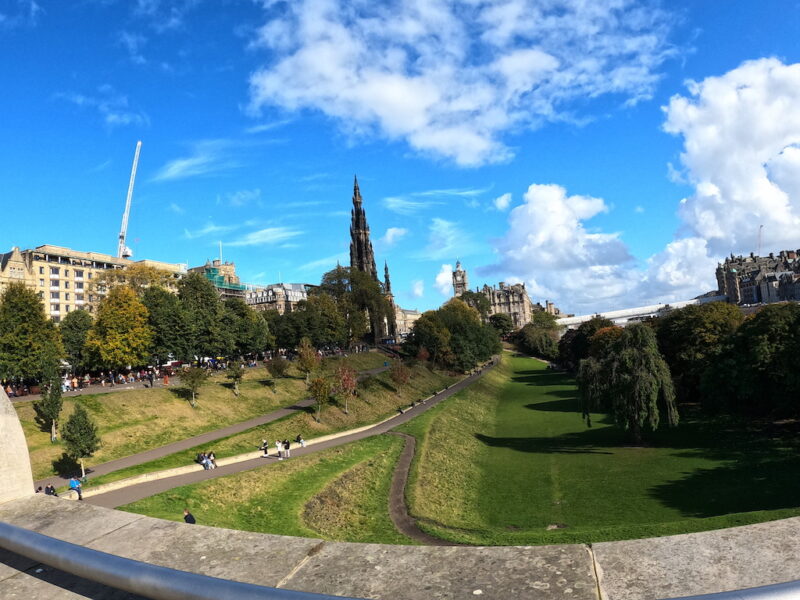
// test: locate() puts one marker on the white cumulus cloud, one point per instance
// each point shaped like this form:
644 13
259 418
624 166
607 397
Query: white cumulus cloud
417 288
452 78
393 235
444 280
502 202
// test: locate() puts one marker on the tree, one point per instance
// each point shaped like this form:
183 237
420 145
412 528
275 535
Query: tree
207 337
692 338
121 335
74 328
307 359
320 389
503 323
278 366
637 379
48 407
346 383
138 277
399 373
80 436
247 329
576 346
235 374
169 322
540 336
29 342
193 379
478 301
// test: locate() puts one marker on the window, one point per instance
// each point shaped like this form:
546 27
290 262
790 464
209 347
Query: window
54 295
41 283
41 295
90 275
54 271
54 283
66 272
79 297
91 298
66 296
78 285
78 273
56 319
66 285
66 308
55 307
41 270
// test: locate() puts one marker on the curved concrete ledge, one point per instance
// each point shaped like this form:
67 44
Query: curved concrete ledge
668 567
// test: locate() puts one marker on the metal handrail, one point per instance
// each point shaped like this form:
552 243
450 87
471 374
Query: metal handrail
136 577
779 591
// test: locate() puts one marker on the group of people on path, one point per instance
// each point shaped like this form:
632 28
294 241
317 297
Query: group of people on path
283 447
207 459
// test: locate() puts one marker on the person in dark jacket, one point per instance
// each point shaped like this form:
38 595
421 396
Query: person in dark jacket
188 517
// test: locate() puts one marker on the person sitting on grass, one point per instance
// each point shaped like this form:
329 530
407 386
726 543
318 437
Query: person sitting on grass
188 517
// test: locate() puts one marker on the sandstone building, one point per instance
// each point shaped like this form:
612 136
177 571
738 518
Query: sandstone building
281 297
63 277
223 276
760 279
512 300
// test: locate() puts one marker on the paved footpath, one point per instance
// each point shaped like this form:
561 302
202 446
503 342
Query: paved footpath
125 495
197 440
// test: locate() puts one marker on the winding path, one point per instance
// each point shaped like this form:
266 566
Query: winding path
126 495
191 442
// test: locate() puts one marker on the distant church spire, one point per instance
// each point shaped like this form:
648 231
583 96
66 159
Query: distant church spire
387 283
362 257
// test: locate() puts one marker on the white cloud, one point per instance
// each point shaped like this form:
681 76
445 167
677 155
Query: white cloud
240 197
327 263
209 229
177 209
393 235
639 210
208 157
502 202
409 204
133 43
113 107
417 288
267 126
444 280
741 153
445 240
23 13
406 206
269 235
452 79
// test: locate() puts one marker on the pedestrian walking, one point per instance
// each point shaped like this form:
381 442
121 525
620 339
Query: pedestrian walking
188 517
264 447
75 485
287 446
279 446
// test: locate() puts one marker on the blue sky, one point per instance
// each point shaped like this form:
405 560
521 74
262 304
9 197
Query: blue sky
605 153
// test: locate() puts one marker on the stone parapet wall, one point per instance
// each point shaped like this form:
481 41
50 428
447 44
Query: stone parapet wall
15 463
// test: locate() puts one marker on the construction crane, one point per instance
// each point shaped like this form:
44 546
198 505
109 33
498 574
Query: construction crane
122 250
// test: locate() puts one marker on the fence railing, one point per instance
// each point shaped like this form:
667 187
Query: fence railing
136 577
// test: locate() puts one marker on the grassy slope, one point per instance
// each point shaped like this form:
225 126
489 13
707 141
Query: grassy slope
504 459
140 419
379 399
340 493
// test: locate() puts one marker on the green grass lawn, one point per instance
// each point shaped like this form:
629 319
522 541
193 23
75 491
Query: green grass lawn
509 457
140 419
339 493
378 399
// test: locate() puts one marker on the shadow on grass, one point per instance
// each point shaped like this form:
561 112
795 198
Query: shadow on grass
65 466
589 442
748 483
181 393
570 405
545 378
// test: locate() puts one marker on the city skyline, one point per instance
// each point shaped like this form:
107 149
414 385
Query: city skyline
605 155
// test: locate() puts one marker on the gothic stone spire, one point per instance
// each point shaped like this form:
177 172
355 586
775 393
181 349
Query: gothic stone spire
361 255
386 281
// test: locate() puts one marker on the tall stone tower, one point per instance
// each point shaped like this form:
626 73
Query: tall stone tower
387 283
361 255
460 282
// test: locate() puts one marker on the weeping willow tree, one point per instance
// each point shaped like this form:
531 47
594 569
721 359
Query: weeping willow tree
632 380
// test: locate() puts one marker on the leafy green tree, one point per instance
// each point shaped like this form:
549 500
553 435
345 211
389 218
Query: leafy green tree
503 323
208 336
307 359
48 407
320 389
478 301
540 336
692 338
247 329
278 367
235 374
74 328
193 379
80 436
170 325
756 373
121 335
576 346
29 342
637 378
